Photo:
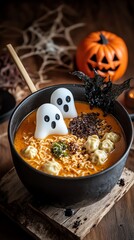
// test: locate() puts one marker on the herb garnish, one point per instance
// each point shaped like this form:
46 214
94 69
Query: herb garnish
100 93
59 149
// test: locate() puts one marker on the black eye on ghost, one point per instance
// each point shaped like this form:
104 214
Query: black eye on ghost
59 101
68 99
57 116
46 118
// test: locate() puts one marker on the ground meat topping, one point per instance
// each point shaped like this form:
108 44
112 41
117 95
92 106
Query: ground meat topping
73 147
88 124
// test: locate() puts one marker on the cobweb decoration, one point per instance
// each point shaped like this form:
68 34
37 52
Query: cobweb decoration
49 38
10 78
48 42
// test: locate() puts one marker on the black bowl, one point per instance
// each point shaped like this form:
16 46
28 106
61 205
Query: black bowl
66 192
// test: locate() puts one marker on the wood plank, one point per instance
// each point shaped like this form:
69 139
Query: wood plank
47 222
90 216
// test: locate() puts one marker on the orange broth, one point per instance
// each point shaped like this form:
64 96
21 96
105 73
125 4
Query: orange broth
28 125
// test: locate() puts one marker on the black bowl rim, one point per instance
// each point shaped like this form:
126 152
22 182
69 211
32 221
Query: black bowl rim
61 177
12 100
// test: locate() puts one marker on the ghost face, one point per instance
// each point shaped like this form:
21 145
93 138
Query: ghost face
49 120
63 99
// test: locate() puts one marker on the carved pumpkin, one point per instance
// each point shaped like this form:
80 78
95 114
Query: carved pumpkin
104 51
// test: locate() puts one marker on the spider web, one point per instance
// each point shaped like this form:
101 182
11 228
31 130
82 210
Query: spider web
48 42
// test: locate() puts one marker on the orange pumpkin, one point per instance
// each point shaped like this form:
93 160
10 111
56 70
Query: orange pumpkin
104 51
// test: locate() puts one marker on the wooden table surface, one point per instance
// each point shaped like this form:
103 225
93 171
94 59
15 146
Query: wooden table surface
112 16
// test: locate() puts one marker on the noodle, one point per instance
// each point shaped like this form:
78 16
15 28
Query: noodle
71 163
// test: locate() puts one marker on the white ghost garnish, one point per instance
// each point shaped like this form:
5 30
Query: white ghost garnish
64 100
49 120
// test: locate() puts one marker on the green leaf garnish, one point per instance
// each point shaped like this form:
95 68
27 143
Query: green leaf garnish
59 149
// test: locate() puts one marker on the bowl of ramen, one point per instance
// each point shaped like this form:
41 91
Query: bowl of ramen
72 159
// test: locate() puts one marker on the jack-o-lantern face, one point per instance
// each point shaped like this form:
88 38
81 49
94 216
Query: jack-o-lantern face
104 51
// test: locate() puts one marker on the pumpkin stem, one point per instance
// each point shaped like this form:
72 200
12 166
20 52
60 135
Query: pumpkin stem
102 40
